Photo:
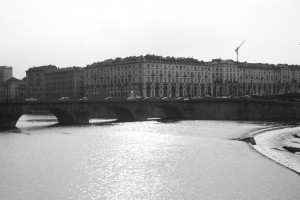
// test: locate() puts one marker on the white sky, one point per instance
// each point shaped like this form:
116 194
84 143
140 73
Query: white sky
79 32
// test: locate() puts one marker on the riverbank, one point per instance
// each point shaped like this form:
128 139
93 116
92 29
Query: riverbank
269 142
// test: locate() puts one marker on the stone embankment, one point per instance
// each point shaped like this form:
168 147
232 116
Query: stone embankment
251 137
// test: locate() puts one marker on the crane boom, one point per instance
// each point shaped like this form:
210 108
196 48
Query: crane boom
237 51
241 44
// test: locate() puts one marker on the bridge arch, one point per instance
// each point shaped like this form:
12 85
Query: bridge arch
123 114
63 117
10 120
171 112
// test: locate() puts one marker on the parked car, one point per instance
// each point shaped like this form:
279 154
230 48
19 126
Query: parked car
180 98
196 97
149 98
64 99
31 99
84 99
134 98
108 98
245 97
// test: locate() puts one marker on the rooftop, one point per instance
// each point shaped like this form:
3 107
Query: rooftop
146 58
42 68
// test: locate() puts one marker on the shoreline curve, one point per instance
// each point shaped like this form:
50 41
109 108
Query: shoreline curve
257 133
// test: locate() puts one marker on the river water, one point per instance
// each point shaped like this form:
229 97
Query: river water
138 160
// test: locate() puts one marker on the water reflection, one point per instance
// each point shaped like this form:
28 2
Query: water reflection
139 160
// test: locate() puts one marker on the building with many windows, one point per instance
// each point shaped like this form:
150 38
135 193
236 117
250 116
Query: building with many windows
64 82
9 89
237 78
147 76
21 89
156 76
5 73
36 81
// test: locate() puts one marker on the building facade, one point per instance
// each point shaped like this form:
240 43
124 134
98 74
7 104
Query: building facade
21 89
9 89
148 76
156 76
64 82
5 73
35 87
237 79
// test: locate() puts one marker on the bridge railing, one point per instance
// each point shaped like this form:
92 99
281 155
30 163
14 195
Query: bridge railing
147 99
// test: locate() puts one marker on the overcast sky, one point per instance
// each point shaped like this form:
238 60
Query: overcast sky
79 32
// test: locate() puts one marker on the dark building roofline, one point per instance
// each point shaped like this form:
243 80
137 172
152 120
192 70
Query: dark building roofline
41 68
12 79
66 69
145 59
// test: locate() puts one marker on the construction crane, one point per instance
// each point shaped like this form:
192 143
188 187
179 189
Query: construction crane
237 51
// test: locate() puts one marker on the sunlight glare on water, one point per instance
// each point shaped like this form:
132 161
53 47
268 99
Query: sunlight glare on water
138 160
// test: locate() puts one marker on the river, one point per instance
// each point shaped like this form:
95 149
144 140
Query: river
138 160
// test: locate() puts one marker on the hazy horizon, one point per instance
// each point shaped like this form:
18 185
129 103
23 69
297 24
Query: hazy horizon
78 33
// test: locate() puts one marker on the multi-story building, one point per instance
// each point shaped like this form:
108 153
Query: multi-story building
64 82
259 79
5 73
36 81
254 78
225 76
148 76
21 89
9 89
156 76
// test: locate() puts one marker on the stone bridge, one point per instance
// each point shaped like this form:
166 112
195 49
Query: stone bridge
75 112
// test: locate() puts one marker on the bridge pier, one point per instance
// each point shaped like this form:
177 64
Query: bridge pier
188 113
81 117
8 121
71 117
141 114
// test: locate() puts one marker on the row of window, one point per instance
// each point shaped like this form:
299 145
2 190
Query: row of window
224 67
113 90
180 73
